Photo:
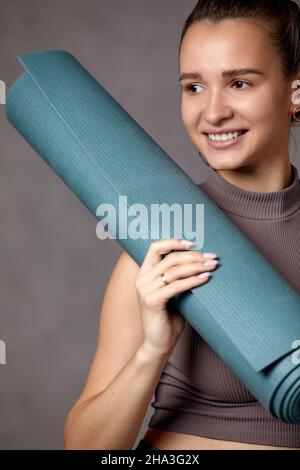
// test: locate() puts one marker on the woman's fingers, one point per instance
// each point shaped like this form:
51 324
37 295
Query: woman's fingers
166 292
182 272
176 260
159 248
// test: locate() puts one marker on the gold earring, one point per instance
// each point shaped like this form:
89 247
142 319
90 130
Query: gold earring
295 112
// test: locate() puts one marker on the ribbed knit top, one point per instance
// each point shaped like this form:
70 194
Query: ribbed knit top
197 393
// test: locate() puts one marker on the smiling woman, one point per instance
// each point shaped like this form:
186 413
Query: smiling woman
245 65
239 63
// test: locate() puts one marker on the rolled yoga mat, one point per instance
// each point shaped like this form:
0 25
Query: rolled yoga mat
101 153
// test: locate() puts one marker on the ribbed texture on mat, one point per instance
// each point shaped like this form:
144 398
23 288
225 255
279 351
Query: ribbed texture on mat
91 142
197 393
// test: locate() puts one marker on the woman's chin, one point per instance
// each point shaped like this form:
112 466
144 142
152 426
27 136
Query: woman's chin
223 162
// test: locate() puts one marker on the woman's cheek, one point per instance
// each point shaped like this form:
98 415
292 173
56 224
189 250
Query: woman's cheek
189 116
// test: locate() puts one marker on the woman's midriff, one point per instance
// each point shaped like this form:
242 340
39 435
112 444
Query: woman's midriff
167 440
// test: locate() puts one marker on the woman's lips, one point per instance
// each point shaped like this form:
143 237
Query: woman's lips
224 144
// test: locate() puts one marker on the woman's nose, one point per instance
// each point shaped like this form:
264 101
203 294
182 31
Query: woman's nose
217 108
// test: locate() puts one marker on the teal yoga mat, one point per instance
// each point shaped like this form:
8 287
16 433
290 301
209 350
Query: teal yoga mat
247 312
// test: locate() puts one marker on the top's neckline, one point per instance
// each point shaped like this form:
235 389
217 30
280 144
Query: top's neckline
251 204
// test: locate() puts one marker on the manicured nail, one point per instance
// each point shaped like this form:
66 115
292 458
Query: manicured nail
210 263
210 255
202 275
187 243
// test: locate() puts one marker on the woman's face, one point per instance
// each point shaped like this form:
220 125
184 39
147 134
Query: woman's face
259 102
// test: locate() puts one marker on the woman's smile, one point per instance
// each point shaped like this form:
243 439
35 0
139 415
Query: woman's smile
224 141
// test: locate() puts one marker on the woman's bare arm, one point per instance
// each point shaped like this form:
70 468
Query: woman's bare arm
137 335
124 373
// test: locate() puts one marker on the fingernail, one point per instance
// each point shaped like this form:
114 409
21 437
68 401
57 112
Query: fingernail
187 243
210 255
210 263
202 275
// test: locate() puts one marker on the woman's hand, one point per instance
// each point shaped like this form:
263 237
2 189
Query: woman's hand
163 326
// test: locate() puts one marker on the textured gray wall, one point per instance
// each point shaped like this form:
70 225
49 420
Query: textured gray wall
53 268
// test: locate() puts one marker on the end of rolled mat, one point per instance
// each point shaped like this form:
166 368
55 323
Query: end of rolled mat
36 55
43 52
26 60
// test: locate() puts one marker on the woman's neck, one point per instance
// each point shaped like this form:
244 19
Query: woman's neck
259 205
266 178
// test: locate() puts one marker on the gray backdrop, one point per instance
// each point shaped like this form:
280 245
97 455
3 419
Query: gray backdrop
53 268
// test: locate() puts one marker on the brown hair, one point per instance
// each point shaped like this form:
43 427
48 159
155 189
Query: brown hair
279 18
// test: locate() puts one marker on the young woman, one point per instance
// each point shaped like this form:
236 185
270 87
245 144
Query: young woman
239 62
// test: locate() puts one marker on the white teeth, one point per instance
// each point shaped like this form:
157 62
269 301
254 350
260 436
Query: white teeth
228 136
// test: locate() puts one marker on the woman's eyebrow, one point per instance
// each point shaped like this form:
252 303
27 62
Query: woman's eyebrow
225 73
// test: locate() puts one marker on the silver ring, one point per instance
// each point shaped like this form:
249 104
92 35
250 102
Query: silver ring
164 280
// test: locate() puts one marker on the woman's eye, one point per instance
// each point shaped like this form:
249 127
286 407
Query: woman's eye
242 81
189 88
